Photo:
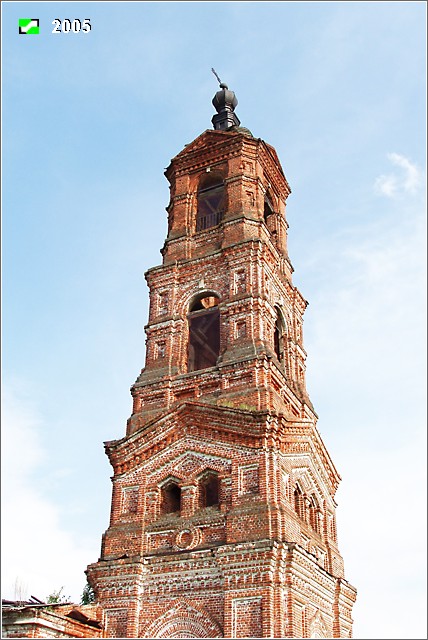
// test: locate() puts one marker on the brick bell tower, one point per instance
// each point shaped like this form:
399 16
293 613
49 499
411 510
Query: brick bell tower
223 512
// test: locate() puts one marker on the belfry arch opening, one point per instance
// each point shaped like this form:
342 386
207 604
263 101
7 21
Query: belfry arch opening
171 498
211 201
204 332
209 490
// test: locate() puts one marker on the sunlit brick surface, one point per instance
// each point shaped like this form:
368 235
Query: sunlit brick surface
258 557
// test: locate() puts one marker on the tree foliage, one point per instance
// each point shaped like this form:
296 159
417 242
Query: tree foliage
88 595
57 597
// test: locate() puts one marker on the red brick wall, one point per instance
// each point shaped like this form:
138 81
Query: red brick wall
258 564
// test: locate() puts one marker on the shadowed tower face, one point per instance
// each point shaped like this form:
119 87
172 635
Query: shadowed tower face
223 517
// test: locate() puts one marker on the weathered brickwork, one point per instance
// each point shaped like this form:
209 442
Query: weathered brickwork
223 511
25 620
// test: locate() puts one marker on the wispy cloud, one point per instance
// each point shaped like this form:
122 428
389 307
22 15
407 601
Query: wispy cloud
361 326
367 365
39 555
406 179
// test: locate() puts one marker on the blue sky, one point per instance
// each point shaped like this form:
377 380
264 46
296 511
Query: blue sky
90 122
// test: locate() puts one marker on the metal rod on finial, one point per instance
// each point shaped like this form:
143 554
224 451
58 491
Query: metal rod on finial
216 75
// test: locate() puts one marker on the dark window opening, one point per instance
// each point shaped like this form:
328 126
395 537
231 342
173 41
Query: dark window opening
298 502
271 219
204 333
209 491
171 498
278 338
211 203
268 210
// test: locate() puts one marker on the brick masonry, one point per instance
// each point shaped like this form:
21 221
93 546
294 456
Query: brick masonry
223 513
25 620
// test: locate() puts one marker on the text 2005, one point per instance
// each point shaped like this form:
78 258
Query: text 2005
71 26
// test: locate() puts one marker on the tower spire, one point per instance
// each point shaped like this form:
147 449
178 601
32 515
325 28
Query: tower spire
225 103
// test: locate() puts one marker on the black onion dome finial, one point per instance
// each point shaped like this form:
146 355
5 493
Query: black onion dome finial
225 103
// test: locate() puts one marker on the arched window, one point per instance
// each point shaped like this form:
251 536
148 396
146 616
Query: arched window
298 502
209 490
314 514
171 498
204 332
278 337
211 202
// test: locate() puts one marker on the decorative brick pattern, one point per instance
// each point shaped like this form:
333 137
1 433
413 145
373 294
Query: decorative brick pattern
162 302
240 329
116 621
183 621
247 618
130 499
223 502
249 479
240 280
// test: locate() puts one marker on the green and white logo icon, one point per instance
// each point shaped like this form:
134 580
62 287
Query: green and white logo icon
28 25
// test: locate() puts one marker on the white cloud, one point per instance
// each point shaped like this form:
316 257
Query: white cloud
37 552
382 535
360 318
367 378
407 179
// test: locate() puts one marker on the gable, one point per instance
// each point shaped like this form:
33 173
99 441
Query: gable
186 464
206 139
